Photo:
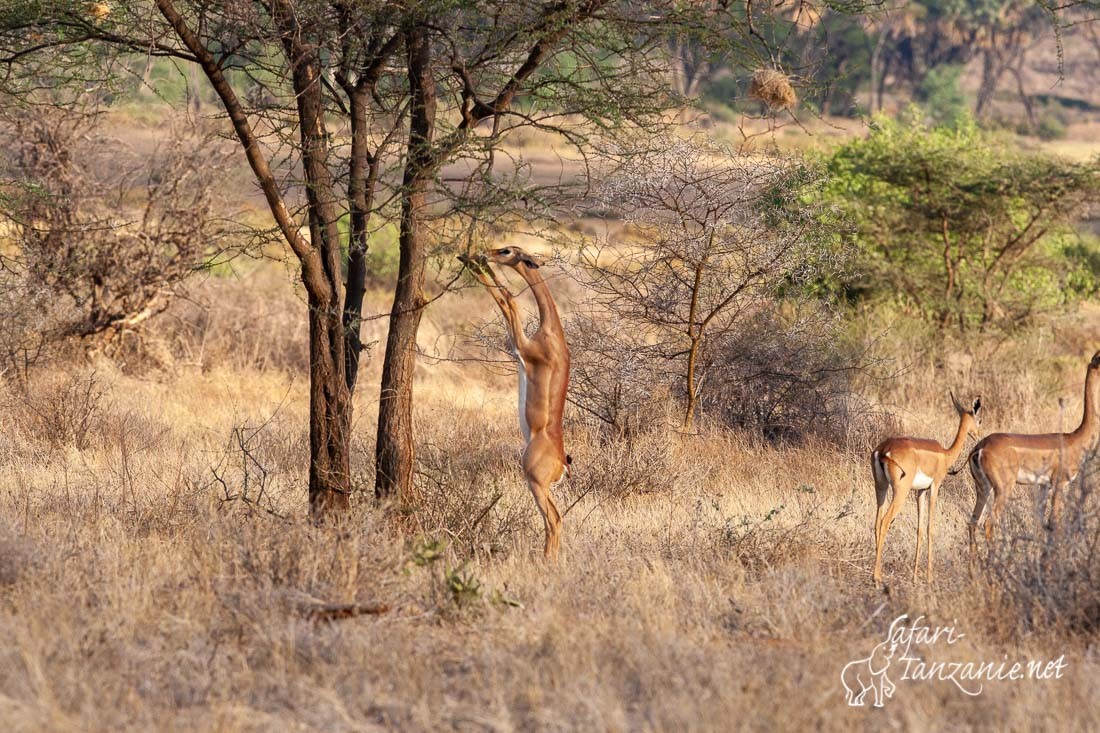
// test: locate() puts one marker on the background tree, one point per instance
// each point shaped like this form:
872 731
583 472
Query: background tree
96 236
713 238
1007 35
963 230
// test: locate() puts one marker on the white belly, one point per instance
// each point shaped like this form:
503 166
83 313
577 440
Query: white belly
922 481
523 426
1028 477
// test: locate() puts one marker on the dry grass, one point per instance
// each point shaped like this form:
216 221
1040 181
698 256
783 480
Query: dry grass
708 581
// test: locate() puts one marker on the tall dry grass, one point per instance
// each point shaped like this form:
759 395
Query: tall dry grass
708 581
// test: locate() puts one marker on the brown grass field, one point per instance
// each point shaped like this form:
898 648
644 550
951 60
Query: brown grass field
157 568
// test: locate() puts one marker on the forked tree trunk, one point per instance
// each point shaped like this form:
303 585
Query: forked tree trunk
395 451
988 86
329 396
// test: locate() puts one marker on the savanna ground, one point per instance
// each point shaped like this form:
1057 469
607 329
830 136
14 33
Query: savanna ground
156 558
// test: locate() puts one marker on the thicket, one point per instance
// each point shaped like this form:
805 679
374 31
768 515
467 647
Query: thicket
708 298
96 236
958 228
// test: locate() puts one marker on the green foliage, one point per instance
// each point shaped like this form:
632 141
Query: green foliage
1082 252
843 62
383 251
943 100
428 551
1050 127
962 230
463 585
383 254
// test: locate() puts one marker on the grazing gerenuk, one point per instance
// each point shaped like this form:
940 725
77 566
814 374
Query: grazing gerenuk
543 361
1002 460
920 465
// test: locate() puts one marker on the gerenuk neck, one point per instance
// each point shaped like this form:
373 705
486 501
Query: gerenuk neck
548 309
1087 429
956 446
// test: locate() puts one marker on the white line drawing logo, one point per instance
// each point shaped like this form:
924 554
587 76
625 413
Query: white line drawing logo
869 675
916 649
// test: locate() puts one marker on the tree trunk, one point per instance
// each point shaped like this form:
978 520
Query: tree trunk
329 396
329 414
880 92
194 90
395 450
874 102
988 84
361 182
689 408
695 336
1025 98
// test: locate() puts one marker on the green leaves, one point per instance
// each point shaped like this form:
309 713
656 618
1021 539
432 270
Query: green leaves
958 227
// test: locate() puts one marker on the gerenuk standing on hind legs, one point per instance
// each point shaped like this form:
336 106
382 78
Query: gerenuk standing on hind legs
543 361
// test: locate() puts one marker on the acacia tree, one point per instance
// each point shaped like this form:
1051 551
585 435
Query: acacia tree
717 235
1007 35
961 229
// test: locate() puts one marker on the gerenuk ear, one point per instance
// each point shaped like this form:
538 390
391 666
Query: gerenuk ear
977 405
530 262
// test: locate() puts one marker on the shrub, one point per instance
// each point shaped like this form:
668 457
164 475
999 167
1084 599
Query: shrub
942 98
462 492
1050 127
711 306
788 373
59 409
98 234
960 229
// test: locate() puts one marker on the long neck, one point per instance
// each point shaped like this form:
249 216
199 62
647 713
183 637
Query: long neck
548 309
957 444
1088 426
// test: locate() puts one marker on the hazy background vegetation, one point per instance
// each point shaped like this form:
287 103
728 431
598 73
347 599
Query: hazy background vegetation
923 218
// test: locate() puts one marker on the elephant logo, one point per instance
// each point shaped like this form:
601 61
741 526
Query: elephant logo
869 675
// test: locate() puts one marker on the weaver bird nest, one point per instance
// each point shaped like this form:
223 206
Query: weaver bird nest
773 88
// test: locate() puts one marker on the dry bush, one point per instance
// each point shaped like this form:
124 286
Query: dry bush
708 307
784 372
255 321
99 234
476 500
247 470
58 408
1049 578
780 536
18 555
788 373
24 328
611 375
609 466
